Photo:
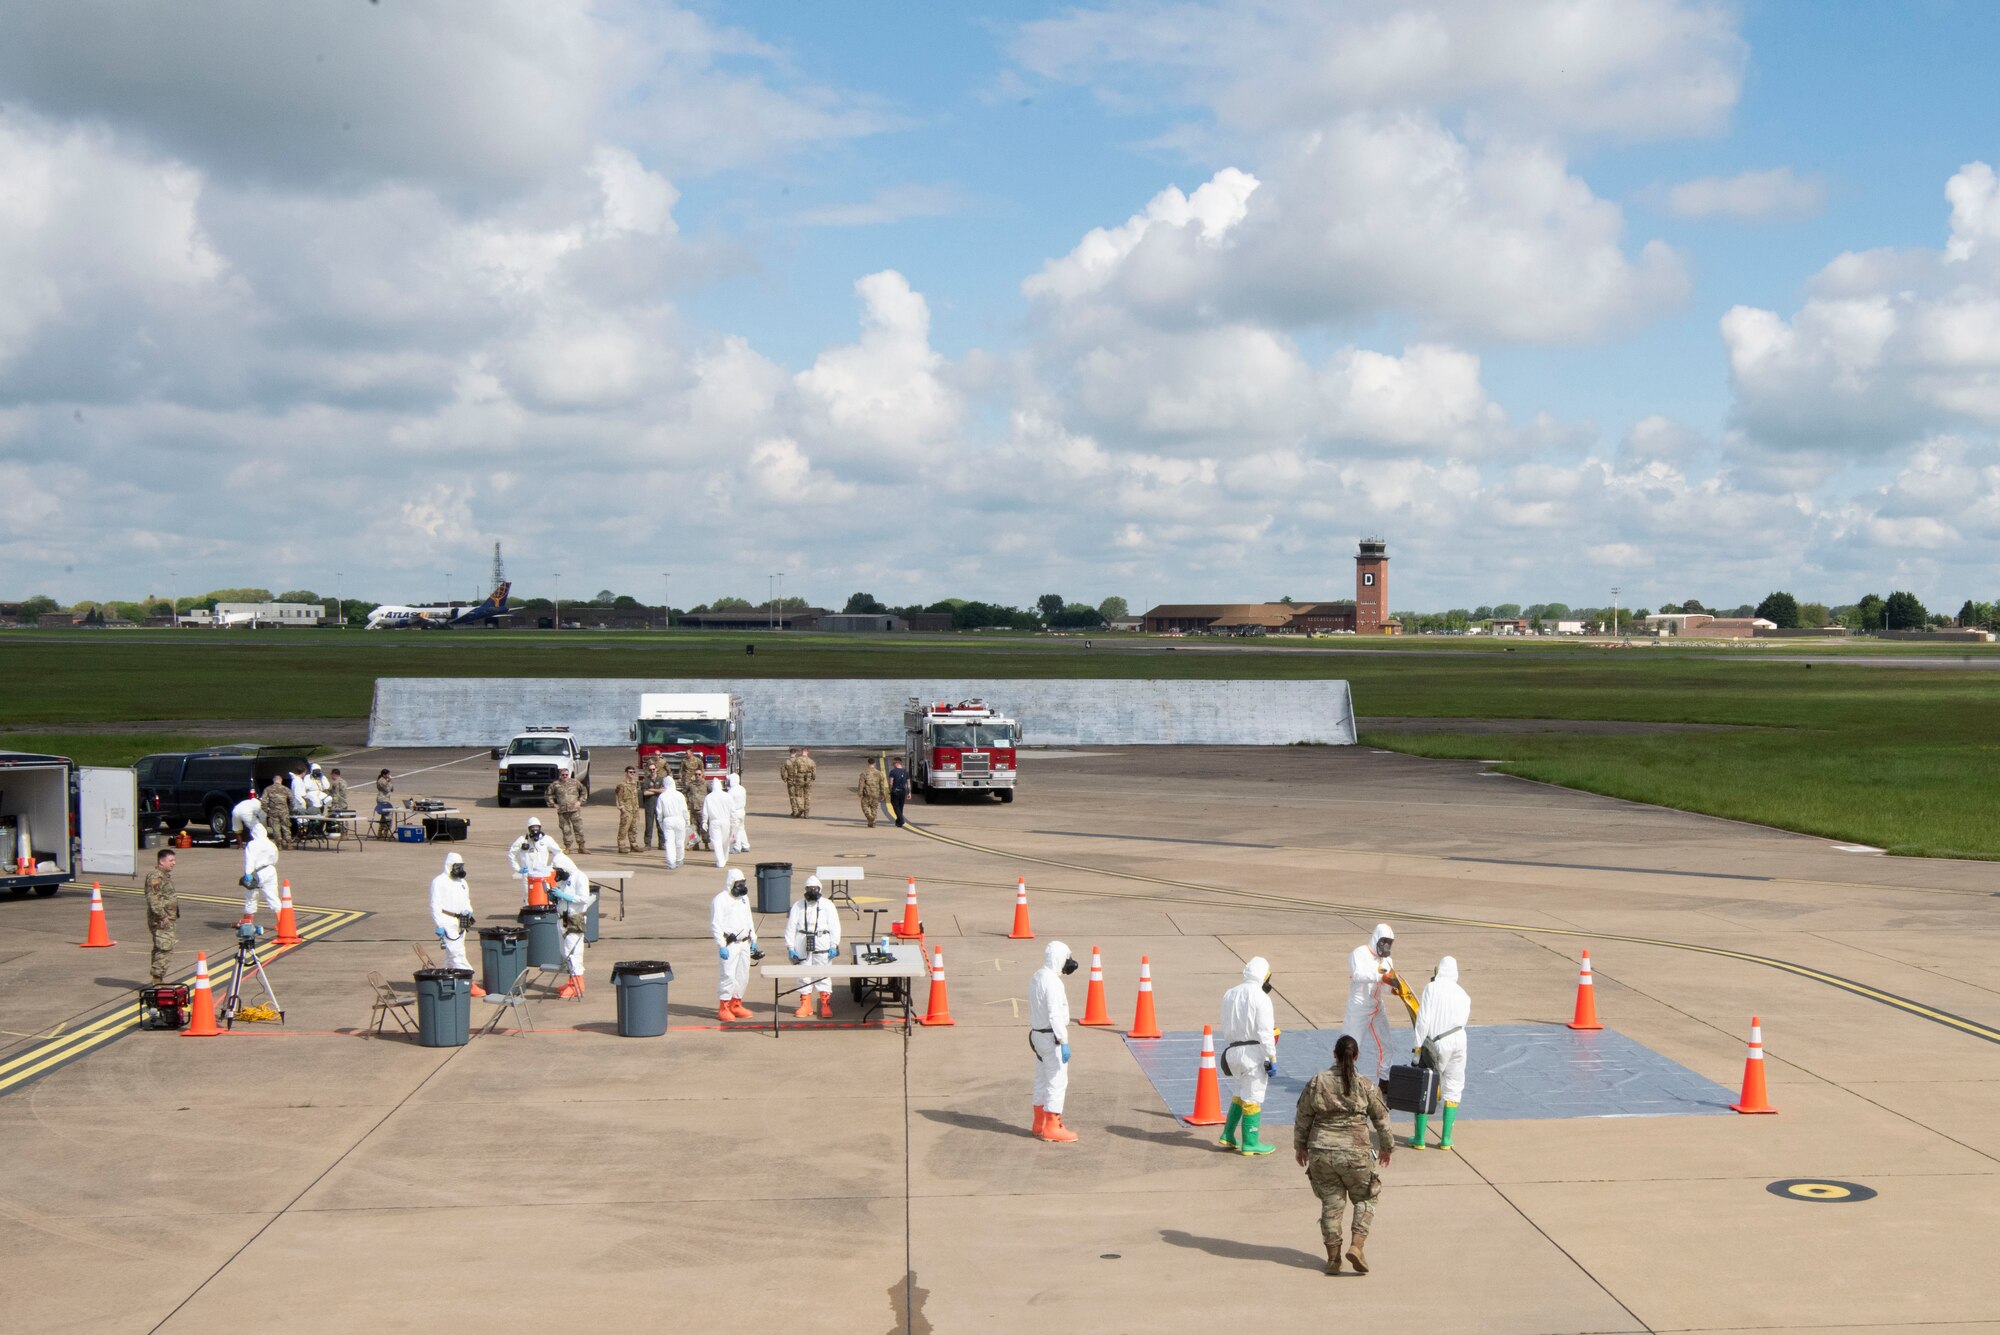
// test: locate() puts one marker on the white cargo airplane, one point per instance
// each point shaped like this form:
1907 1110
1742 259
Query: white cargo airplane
392 617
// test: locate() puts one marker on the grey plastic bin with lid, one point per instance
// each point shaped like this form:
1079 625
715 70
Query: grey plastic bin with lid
642 997
444 1007
774 887
503 953
544 936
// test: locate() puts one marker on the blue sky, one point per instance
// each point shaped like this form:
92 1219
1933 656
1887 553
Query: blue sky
1166 300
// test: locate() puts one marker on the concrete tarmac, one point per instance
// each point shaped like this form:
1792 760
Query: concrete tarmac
310 1178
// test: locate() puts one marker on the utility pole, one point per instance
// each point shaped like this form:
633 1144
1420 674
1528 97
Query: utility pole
173 599
781 586
770 603
558 579
667 599
339 603
1614 610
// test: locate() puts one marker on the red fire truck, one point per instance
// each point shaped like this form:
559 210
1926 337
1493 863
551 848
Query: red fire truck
709 725
963 747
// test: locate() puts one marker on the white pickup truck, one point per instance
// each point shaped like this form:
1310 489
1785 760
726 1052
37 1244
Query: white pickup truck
530 760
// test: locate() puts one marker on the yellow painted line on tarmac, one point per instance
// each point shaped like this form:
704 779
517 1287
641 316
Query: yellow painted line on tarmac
1907 1005
122 1018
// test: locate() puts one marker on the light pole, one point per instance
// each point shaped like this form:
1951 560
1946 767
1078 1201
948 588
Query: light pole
173 598
1614 609
770 602
558 579
339 603
447 588
667 599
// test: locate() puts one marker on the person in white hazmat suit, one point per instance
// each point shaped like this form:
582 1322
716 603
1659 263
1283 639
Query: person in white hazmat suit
739 808
569 889
532 857
451 913
1442 1014
718 816
247 813
1249 1055
1371 985
260 872
735 933
670 809
812 936
1048 1038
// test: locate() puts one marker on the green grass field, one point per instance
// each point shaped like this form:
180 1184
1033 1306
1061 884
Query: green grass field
1902 758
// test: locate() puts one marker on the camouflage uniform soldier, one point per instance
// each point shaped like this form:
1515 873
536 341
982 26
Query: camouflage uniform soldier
872 789
807 772
567 796
789 773
163 910
694 788
651 785
277 801
626 795
1330 1137
336 792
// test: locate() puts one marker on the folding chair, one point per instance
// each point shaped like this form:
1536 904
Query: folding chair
424 961
514 999
387 1003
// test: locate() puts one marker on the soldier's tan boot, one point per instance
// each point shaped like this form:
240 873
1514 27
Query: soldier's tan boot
1355 1255
1333 1257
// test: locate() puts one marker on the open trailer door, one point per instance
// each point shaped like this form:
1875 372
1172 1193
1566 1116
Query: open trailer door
108 820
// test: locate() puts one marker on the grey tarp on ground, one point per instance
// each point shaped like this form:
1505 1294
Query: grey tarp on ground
1513 1072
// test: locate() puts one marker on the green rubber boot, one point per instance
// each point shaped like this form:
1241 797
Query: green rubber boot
1417 1140
1228 1141
1450 1116
1253 1122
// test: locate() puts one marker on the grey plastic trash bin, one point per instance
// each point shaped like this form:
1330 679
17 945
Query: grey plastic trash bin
774 887
503 954
590 919
544 936
642 997
444 1007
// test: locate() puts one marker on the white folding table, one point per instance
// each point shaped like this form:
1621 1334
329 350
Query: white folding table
878 986
838 882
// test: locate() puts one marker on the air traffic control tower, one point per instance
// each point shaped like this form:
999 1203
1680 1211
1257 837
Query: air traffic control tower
1371 587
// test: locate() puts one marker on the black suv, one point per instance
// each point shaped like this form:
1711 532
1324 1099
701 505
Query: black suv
200 787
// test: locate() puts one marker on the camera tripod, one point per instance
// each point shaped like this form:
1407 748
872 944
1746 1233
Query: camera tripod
246 954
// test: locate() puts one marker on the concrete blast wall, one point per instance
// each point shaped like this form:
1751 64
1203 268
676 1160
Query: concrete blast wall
486 711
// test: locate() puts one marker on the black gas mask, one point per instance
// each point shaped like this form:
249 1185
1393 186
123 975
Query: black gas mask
741 889
1069 966
458 871
534 833
812 894
1388 944
1267 984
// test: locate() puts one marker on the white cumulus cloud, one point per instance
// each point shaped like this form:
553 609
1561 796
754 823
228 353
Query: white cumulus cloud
1753 196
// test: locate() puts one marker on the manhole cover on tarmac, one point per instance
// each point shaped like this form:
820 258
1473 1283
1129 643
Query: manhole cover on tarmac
1822 1190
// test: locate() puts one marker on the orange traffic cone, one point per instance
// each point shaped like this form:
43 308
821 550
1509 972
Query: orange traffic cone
288 926
1207 1087
1021 932
911 925
1144 1025
99 934
202 1023
939 1009
1755 1099
1093 999
1586 999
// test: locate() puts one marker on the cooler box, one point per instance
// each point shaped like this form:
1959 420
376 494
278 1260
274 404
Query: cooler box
1412 1089
447 828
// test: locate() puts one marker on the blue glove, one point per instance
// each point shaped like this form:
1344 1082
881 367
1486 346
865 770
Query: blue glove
794 954
1065 1053
1270 1068
722 952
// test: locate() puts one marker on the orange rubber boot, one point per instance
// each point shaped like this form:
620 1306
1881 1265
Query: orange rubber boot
826 1005
1041 1119
723 1013
739 1010
1055 1132
805 1010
